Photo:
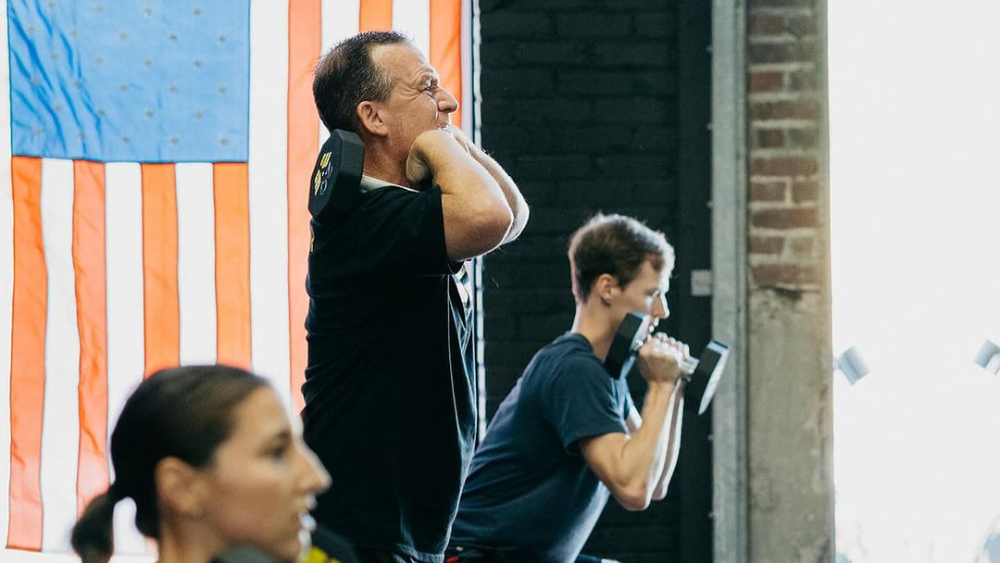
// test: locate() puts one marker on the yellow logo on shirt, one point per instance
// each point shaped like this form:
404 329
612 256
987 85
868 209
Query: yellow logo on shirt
317 555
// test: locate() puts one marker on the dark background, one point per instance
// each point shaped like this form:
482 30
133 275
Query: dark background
603 105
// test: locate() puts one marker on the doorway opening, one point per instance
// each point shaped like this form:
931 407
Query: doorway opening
915 208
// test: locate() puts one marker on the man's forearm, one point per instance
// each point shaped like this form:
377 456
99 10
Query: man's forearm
477 217
644 453
518 206
675 419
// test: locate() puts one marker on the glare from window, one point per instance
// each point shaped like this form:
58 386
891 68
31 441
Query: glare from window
915 204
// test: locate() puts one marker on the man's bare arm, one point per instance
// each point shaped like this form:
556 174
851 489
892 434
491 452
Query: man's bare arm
516 202
477 217
631 465
676 420
673 420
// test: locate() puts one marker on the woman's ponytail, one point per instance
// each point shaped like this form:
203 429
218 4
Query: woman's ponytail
93 535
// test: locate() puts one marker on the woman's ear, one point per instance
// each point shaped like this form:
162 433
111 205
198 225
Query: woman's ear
180 488
371 119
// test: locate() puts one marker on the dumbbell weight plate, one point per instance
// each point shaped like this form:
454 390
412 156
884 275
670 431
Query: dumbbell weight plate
628 339
710 367
334 187
703 374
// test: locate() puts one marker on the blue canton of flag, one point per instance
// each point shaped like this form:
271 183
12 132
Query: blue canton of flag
163 80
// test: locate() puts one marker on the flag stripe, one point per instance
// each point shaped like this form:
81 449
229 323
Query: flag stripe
196 263
413 17
27 366
159 260
340 21
126 326
268 202
232 264
89 265
446 48
470 30
141 266
305 36
60 426
375 15
6 284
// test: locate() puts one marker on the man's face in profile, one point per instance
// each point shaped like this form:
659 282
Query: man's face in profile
417 102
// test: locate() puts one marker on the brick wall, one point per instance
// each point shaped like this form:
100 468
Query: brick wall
789 426
785 111
580 106
599 105
583 103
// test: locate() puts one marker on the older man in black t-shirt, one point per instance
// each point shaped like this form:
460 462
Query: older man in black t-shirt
389 389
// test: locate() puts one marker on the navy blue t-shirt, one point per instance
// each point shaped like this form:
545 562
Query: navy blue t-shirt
389 406
530 493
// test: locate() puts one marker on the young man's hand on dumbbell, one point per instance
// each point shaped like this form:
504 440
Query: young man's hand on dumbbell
660 359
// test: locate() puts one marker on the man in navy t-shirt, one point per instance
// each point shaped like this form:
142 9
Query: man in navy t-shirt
390 406
568 434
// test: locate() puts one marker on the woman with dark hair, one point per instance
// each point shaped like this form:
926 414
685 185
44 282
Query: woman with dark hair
213 461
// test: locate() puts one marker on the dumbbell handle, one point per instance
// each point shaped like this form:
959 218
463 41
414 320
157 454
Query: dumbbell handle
687 364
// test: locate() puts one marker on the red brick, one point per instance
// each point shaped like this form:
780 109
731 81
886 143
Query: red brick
767 191
804 138
805 192
762 111
781 3
766 245
769 139
765 24
766 81
786 166
802 26
805 50
803 81
785 275
802 246
784 218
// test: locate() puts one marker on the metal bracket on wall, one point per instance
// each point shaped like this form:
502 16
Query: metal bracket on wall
701 283
988 357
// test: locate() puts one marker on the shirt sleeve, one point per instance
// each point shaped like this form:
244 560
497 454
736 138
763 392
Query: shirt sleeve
401 231
580 403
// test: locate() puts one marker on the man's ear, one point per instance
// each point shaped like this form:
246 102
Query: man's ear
371 119
606 287
180 487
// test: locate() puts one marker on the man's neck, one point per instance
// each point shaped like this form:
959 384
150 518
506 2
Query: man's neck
379 166
592 322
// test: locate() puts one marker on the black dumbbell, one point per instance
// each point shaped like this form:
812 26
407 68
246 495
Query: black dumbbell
336 178
708 368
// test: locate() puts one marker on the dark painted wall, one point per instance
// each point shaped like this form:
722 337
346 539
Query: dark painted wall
602 105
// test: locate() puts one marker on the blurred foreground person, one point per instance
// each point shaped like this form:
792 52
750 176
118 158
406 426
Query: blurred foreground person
212 460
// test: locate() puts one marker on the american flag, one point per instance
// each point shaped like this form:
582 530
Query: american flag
153 188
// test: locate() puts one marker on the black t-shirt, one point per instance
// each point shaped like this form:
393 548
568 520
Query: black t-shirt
530 493
389 400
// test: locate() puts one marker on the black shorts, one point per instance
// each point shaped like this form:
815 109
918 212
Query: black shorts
482 556
379 556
